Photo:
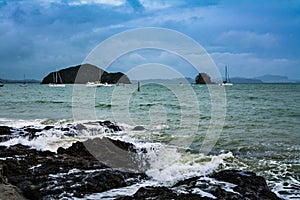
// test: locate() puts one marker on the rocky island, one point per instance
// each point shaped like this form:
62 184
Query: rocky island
81 74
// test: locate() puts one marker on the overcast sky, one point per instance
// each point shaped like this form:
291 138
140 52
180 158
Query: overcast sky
251 37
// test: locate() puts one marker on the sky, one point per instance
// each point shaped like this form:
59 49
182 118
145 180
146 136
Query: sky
251 37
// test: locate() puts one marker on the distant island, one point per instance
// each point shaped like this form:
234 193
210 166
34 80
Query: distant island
19 81
276 79
91 73
235 80
241 80
203 78
81 74
263 79
185 80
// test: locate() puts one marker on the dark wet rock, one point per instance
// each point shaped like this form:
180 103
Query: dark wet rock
65 129
5 130
5 133
4 138
90 167
123 145
154 193
243 186
161 193
68 130
48 127
80 127
111 127
70 134
32 130
10 192
77 149
117 154
70 171
30 191
138 128
248 184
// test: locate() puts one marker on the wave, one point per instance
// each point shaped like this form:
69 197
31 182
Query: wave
49 102
103 105
166 164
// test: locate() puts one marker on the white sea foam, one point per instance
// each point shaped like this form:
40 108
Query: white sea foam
18 123
177 166
124 191
39 143
203 193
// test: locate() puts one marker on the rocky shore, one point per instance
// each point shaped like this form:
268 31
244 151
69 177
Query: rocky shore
27 173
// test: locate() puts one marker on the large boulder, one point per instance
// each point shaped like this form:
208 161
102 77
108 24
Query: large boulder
248 184
10 192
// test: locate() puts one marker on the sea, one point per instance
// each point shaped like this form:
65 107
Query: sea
188 130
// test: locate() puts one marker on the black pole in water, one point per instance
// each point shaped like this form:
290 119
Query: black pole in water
139 86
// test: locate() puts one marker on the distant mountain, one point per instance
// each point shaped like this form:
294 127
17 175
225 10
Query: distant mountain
261 79
240 80
82 74
19 81
186 80
275 79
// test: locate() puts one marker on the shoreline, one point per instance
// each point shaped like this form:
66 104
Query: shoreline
73 172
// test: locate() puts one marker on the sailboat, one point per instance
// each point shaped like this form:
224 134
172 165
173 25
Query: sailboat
55 82
24 84
226 81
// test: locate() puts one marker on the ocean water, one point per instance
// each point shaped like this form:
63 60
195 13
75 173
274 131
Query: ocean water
193 129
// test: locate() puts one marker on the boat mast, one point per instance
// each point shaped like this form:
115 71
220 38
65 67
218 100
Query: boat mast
60 78
226 74
53 78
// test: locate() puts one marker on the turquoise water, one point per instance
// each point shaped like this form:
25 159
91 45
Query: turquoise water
261 121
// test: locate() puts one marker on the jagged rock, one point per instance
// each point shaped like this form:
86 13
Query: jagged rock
10 192
44 174
111 125
77 149
69 130
5 133
117 154
80 127
203 78
5 130
48 127
107 124
154 193
32 130
30 191
4 138
84 168
161 193
138 128
248 184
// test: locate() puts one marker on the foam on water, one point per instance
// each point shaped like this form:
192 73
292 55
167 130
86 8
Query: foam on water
167 164
178 166
280 179
124 191
17 123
